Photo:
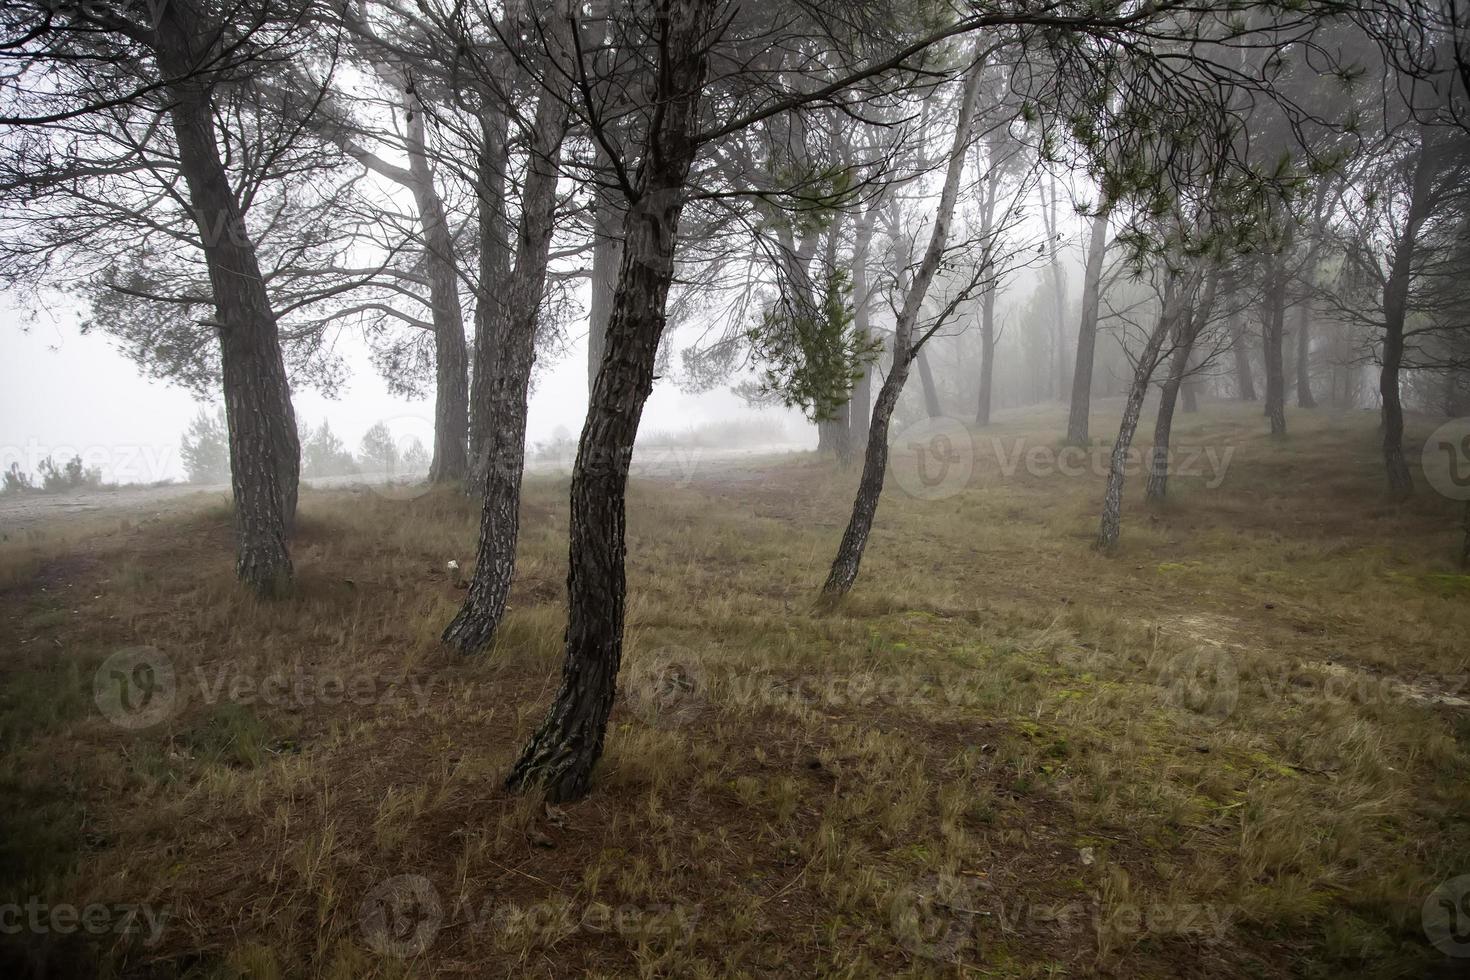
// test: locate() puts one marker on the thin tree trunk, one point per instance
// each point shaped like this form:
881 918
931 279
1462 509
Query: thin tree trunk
561 755
1304 397
450 462
265 452
1395 312
987 357
494 274
1081 406
1148 360
1272 330
931 394
861 403
508 387
1245 384
875 461
1156 488
1059 296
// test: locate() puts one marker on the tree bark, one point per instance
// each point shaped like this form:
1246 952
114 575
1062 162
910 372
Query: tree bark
1395 312
1304 397
265 454
861 403
509 383
1156 487
1148 360
987 356
849 557
931 394
605 255
450 462
1245 384
491 163
561 755
1081 406
1272 329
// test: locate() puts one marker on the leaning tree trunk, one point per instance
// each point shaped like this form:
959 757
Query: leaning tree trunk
1143 371
450 463
1081 406
1274 323
987 357
265 452
1395 312
508 387
932 407
494 272
875 462
1156 488
561 755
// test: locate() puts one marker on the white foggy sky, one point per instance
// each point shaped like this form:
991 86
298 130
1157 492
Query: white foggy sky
64 393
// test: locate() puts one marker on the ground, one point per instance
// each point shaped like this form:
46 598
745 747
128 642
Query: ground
1237 747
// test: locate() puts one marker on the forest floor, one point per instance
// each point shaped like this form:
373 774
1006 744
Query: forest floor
1238 747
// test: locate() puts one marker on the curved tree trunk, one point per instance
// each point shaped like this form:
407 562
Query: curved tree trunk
265 452
987 357
861 404
1395 312
561 755
1156 488
1110 525
508 385
849 557
1081 405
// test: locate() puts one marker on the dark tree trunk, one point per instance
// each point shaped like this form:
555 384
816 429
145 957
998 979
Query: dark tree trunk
1189 393
1274 322
1395 312
508 386
561 755
932 407
834 435
265 454
1081 406
1148 360
450 462
494 274
987 357
849 557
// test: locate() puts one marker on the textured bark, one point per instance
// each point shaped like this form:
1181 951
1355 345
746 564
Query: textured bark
508 384
931 393
1395 312
849 557
450 462
987 357
561 755
1273 327
494 273
1081 406
1148 360
265 455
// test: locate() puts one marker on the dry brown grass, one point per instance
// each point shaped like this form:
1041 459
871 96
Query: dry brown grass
1225 751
